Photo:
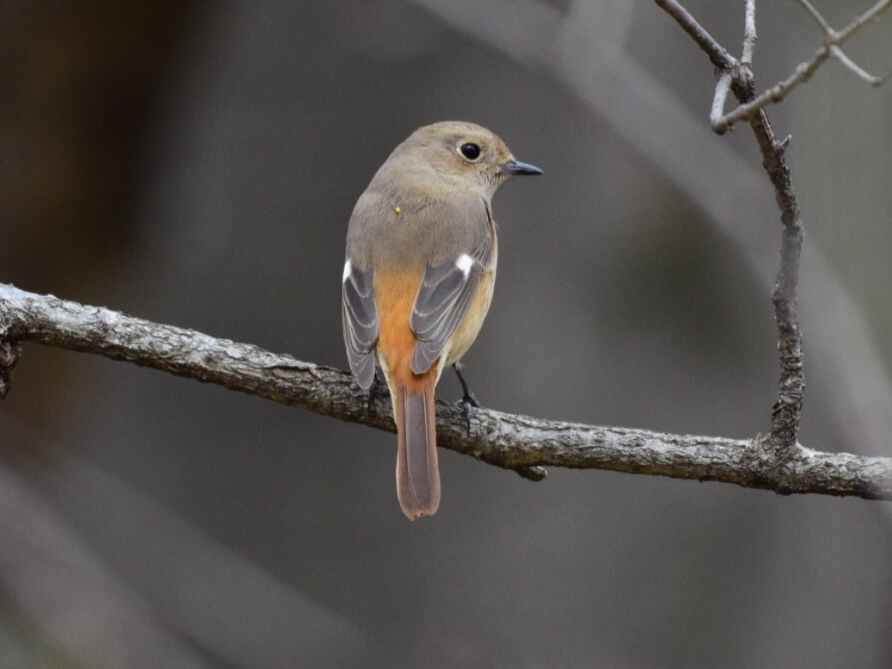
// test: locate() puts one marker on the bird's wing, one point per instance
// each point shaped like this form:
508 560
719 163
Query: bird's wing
360 314
443 300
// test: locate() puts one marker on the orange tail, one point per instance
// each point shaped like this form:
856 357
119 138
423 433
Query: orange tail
417 470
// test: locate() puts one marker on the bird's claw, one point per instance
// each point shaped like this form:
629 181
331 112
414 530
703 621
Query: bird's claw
468 402
373 390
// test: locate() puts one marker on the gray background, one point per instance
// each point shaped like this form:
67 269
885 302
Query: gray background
198 167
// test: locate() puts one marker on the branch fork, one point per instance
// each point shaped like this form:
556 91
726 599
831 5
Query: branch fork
736 76
730 70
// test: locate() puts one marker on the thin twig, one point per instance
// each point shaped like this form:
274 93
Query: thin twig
832 41
787 410
816 15
723 85
869 16
749 34
514 442
776 93
871 79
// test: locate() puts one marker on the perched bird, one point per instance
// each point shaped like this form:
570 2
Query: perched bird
418 280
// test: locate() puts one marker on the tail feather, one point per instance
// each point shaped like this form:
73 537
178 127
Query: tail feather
417 468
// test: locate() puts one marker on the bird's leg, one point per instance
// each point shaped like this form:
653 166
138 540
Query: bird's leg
469 399
373 390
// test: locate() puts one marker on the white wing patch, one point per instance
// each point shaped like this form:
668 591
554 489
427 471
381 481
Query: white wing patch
464 263
347 269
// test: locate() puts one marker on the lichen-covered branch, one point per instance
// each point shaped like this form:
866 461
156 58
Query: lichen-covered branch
514 442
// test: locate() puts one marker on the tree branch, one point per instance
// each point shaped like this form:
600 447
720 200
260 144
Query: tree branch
787 408
587 56
833 39
860 72
776 93
510 441
791 388
722 86
720 57
749 34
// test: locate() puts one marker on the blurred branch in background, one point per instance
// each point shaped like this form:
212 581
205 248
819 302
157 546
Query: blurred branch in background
513 442
216 604
586 54
86 616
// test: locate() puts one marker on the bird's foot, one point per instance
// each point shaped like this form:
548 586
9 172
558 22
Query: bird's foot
468 401
373 390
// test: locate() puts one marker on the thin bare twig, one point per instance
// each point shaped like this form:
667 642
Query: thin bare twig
832 41
785 415
835 38
520 443
869 16
871 79
749 34
816 15
723 85
787 410
776 93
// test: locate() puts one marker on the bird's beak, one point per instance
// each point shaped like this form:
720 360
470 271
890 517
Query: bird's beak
517 167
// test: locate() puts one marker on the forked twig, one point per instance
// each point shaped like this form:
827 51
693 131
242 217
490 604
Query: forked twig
831 48
785 415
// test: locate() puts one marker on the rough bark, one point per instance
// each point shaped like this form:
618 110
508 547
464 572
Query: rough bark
515 442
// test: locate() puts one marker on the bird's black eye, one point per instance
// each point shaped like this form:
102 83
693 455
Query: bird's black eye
470 151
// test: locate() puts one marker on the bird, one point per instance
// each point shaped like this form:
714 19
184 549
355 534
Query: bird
418 280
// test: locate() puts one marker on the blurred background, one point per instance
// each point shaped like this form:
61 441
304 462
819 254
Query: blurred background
196 164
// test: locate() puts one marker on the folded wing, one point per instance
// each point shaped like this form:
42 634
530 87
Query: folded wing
360 315
443 300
